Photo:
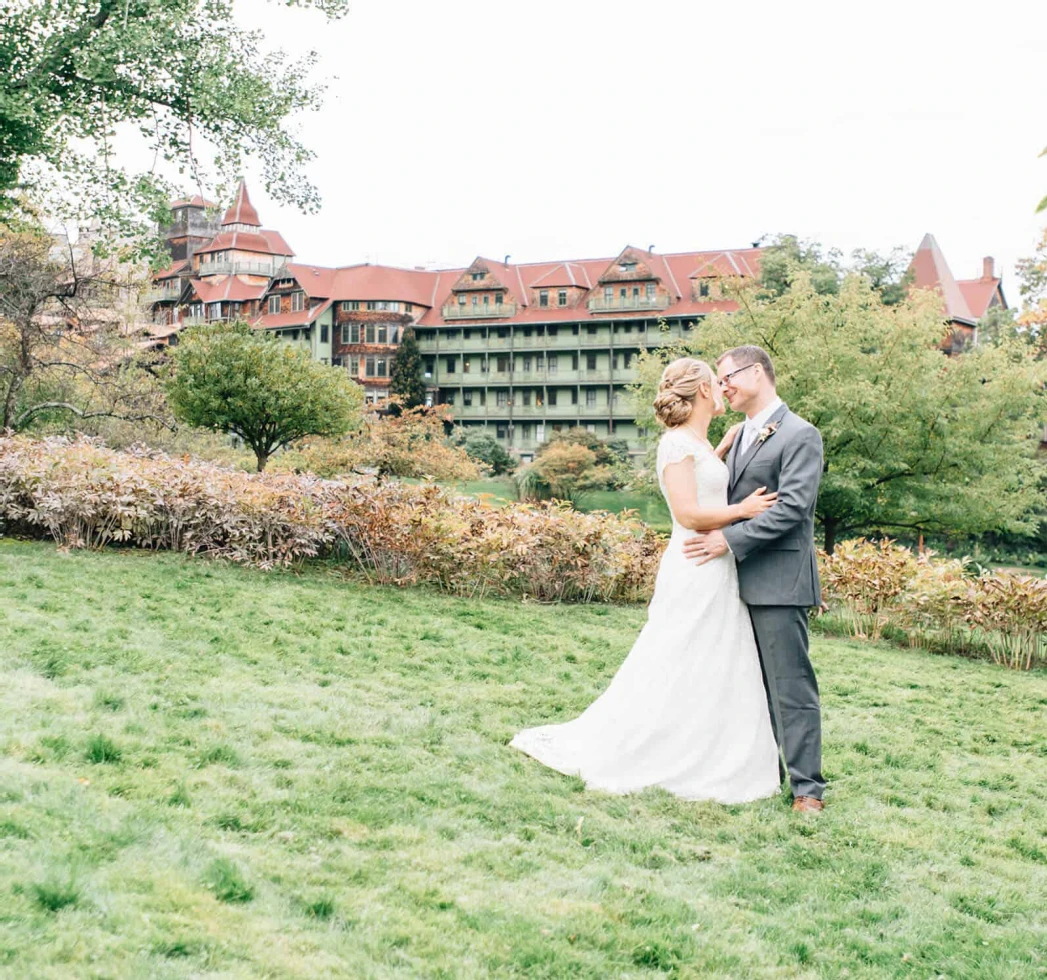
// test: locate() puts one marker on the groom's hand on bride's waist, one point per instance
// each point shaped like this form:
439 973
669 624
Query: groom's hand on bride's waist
705 546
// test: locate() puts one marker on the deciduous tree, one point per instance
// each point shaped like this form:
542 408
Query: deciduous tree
230 378
914 440
183 72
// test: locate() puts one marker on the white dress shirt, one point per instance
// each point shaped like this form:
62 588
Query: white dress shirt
752 426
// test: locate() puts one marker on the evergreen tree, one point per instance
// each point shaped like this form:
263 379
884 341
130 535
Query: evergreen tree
406 379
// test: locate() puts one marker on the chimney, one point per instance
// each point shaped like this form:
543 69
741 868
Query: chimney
987 268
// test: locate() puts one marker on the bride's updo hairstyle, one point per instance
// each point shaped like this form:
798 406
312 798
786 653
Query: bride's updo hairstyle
678 388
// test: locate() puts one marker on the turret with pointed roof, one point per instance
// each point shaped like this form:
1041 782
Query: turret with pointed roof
241 215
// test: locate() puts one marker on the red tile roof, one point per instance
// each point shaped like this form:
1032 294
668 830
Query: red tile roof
196 201
931 271
172 270
232 288
262 241
563 274
273 321
979 293
242 211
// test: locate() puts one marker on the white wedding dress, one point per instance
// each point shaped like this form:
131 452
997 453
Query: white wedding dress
687 709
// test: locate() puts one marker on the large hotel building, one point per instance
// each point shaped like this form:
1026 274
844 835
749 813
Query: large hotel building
520 349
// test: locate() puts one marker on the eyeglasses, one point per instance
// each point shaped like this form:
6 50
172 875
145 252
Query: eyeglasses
726 379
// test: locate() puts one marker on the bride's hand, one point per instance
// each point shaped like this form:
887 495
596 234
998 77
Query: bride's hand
728 439
757 502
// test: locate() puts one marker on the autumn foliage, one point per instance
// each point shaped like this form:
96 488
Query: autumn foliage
86 496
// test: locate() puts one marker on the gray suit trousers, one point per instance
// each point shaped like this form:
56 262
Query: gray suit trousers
792 693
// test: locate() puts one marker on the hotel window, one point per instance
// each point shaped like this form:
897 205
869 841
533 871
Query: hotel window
539 362
527 363
650 290
623 293
461 300
502 431
196 310
487 299
354 366
608 294
477 276
369 366
561 297
590 398
274 304
498 299
552 397
382 367
552 331
590 329
214 311
475 300
527 397
297 301
636 292
408 307
294 334
349 304
703 289
590 362
466 365
574 362
394 334
382 333
354 333
345 333
467 397
543 297
369 334
553 361
503 363
449 363
574 396
502 398
323 333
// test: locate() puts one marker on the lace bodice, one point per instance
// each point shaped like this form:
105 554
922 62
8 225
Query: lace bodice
710 472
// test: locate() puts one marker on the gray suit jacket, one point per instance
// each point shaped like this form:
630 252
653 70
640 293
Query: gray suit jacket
775 552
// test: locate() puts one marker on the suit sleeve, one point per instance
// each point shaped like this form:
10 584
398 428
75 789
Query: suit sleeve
797 494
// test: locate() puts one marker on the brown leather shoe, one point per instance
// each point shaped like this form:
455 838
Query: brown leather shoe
808 804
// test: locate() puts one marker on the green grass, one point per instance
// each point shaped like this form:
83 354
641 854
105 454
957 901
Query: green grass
208 771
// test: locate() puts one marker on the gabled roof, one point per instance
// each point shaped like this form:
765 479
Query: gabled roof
242 211
639 268
979 294
931 271
172 270
480 266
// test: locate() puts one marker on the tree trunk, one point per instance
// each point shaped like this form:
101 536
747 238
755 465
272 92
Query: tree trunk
262 459
830 524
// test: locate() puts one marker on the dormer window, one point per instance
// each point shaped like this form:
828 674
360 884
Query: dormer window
461 300
626 266
561 298
297 301
274 304
498 299
650 290
477 276
703 289
543 297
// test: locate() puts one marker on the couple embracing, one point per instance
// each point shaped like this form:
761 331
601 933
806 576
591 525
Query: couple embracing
718 689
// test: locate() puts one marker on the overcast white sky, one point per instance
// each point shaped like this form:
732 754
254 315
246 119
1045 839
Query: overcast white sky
570 128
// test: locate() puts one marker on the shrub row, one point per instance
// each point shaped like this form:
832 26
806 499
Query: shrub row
882 589
87 496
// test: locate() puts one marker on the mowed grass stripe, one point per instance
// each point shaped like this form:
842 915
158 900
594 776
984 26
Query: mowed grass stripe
212 771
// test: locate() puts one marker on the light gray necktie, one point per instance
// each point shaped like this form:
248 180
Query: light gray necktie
748 436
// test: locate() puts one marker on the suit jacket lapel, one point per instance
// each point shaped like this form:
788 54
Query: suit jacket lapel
739 465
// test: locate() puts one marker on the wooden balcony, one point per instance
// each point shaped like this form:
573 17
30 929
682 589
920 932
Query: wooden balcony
235 269
481 311
600 304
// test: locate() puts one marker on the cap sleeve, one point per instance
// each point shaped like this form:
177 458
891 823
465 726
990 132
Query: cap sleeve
673 447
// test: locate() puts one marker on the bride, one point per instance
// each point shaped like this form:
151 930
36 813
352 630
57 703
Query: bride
687 709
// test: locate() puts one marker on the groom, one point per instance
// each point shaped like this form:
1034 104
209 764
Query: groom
777 569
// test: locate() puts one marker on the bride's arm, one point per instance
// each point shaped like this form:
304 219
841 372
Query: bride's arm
728 440
682 490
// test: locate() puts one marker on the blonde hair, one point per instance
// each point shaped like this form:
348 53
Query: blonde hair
678 388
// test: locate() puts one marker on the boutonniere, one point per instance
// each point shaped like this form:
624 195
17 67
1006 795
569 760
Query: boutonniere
766 432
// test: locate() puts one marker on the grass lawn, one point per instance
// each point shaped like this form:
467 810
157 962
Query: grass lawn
207 771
